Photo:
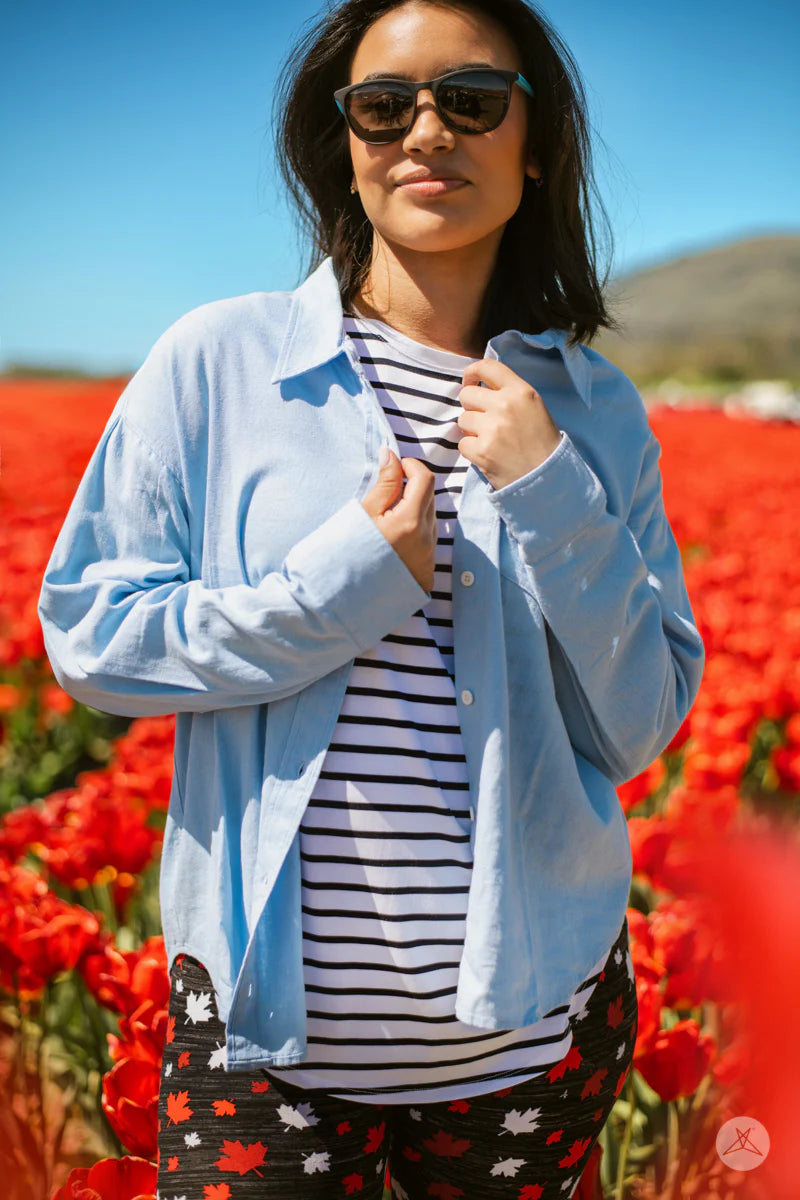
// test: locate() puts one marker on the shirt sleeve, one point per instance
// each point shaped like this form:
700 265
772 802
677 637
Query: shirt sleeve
626 654
128 631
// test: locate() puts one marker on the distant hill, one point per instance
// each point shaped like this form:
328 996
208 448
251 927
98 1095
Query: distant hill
731 313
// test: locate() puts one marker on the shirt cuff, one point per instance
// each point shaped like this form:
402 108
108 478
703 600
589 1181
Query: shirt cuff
552 503
347 569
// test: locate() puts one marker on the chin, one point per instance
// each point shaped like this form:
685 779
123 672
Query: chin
435 240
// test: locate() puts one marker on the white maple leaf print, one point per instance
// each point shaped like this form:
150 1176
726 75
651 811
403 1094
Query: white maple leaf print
168 1070
582 1014
178 985
507 1167
298 1118
517 1122
218 1058
197 1007
617 956
192 1139
568 1184
399 1191
565 1094
379 1166
318 1161
415 1114
621 1049
629 965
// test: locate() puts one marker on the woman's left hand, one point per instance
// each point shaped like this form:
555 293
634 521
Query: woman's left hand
507 430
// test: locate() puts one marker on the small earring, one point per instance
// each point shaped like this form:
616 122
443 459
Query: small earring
353 188
539 181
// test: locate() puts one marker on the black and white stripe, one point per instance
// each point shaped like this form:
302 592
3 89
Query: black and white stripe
385 839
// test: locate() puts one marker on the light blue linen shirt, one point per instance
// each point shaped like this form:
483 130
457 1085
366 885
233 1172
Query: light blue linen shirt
216 562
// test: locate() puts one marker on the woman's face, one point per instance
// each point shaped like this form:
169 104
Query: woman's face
423 41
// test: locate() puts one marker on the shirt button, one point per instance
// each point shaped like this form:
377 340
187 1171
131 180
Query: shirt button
467 696
467 578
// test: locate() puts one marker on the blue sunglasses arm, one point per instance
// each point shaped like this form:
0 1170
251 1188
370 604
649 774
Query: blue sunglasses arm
523 83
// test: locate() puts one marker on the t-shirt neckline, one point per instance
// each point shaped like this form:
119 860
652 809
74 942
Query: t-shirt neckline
427 356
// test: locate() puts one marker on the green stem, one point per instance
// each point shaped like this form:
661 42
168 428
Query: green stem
626 1138
674 1145
19 1055
41 1076
98 1036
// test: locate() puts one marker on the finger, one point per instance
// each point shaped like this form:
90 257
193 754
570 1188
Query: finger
419 481
416 468
466 446
478 399
388 485
490 371
471 421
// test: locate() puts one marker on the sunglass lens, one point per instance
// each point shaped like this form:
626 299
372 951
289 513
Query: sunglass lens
474 103
379 112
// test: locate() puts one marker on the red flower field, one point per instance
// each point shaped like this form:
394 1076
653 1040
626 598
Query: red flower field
713 912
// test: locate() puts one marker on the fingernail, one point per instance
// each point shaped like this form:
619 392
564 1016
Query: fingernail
383 456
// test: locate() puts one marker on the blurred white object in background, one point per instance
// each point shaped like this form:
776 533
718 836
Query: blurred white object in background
772 399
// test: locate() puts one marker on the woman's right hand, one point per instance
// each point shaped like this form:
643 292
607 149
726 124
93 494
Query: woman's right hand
409 525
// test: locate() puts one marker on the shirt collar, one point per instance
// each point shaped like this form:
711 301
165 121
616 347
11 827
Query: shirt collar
314 334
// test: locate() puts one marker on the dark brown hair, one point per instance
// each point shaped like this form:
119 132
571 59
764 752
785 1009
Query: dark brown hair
546 271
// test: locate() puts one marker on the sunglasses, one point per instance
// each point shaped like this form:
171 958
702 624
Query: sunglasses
473 100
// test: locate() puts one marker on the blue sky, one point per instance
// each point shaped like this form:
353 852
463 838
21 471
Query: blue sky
138 177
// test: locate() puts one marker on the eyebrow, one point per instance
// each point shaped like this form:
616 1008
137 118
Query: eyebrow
464 66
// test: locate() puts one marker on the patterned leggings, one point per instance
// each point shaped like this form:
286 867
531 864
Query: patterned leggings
244 1135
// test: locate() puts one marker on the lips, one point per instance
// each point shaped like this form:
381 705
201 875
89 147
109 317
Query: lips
425 176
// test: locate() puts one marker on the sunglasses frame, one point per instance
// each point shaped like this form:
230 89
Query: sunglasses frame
511 78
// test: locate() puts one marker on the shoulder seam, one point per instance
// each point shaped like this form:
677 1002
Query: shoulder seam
123 416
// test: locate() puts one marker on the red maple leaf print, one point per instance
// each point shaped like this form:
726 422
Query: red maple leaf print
621 1081
597 1115
570 1062
171 1029
375 1138
216 1191
223 1108
259 1085
183 1059
503 1092
172 1163
616 1011
178 1108
531 1191
241 1159
411 1154
445 1145
461 1106
555 1136
445 1191
352 1183
594 1083
343 1127
575 1152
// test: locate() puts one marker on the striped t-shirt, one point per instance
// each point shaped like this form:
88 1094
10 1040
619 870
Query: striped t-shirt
385 840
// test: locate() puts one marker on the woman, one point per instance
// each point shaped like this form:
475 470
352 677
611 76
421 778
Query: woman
392 547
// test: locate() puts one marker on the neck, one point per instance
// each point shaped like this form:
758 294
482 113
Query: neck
434 298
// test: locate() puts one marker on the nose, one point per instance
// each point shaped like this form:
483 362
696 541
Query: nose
428 131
